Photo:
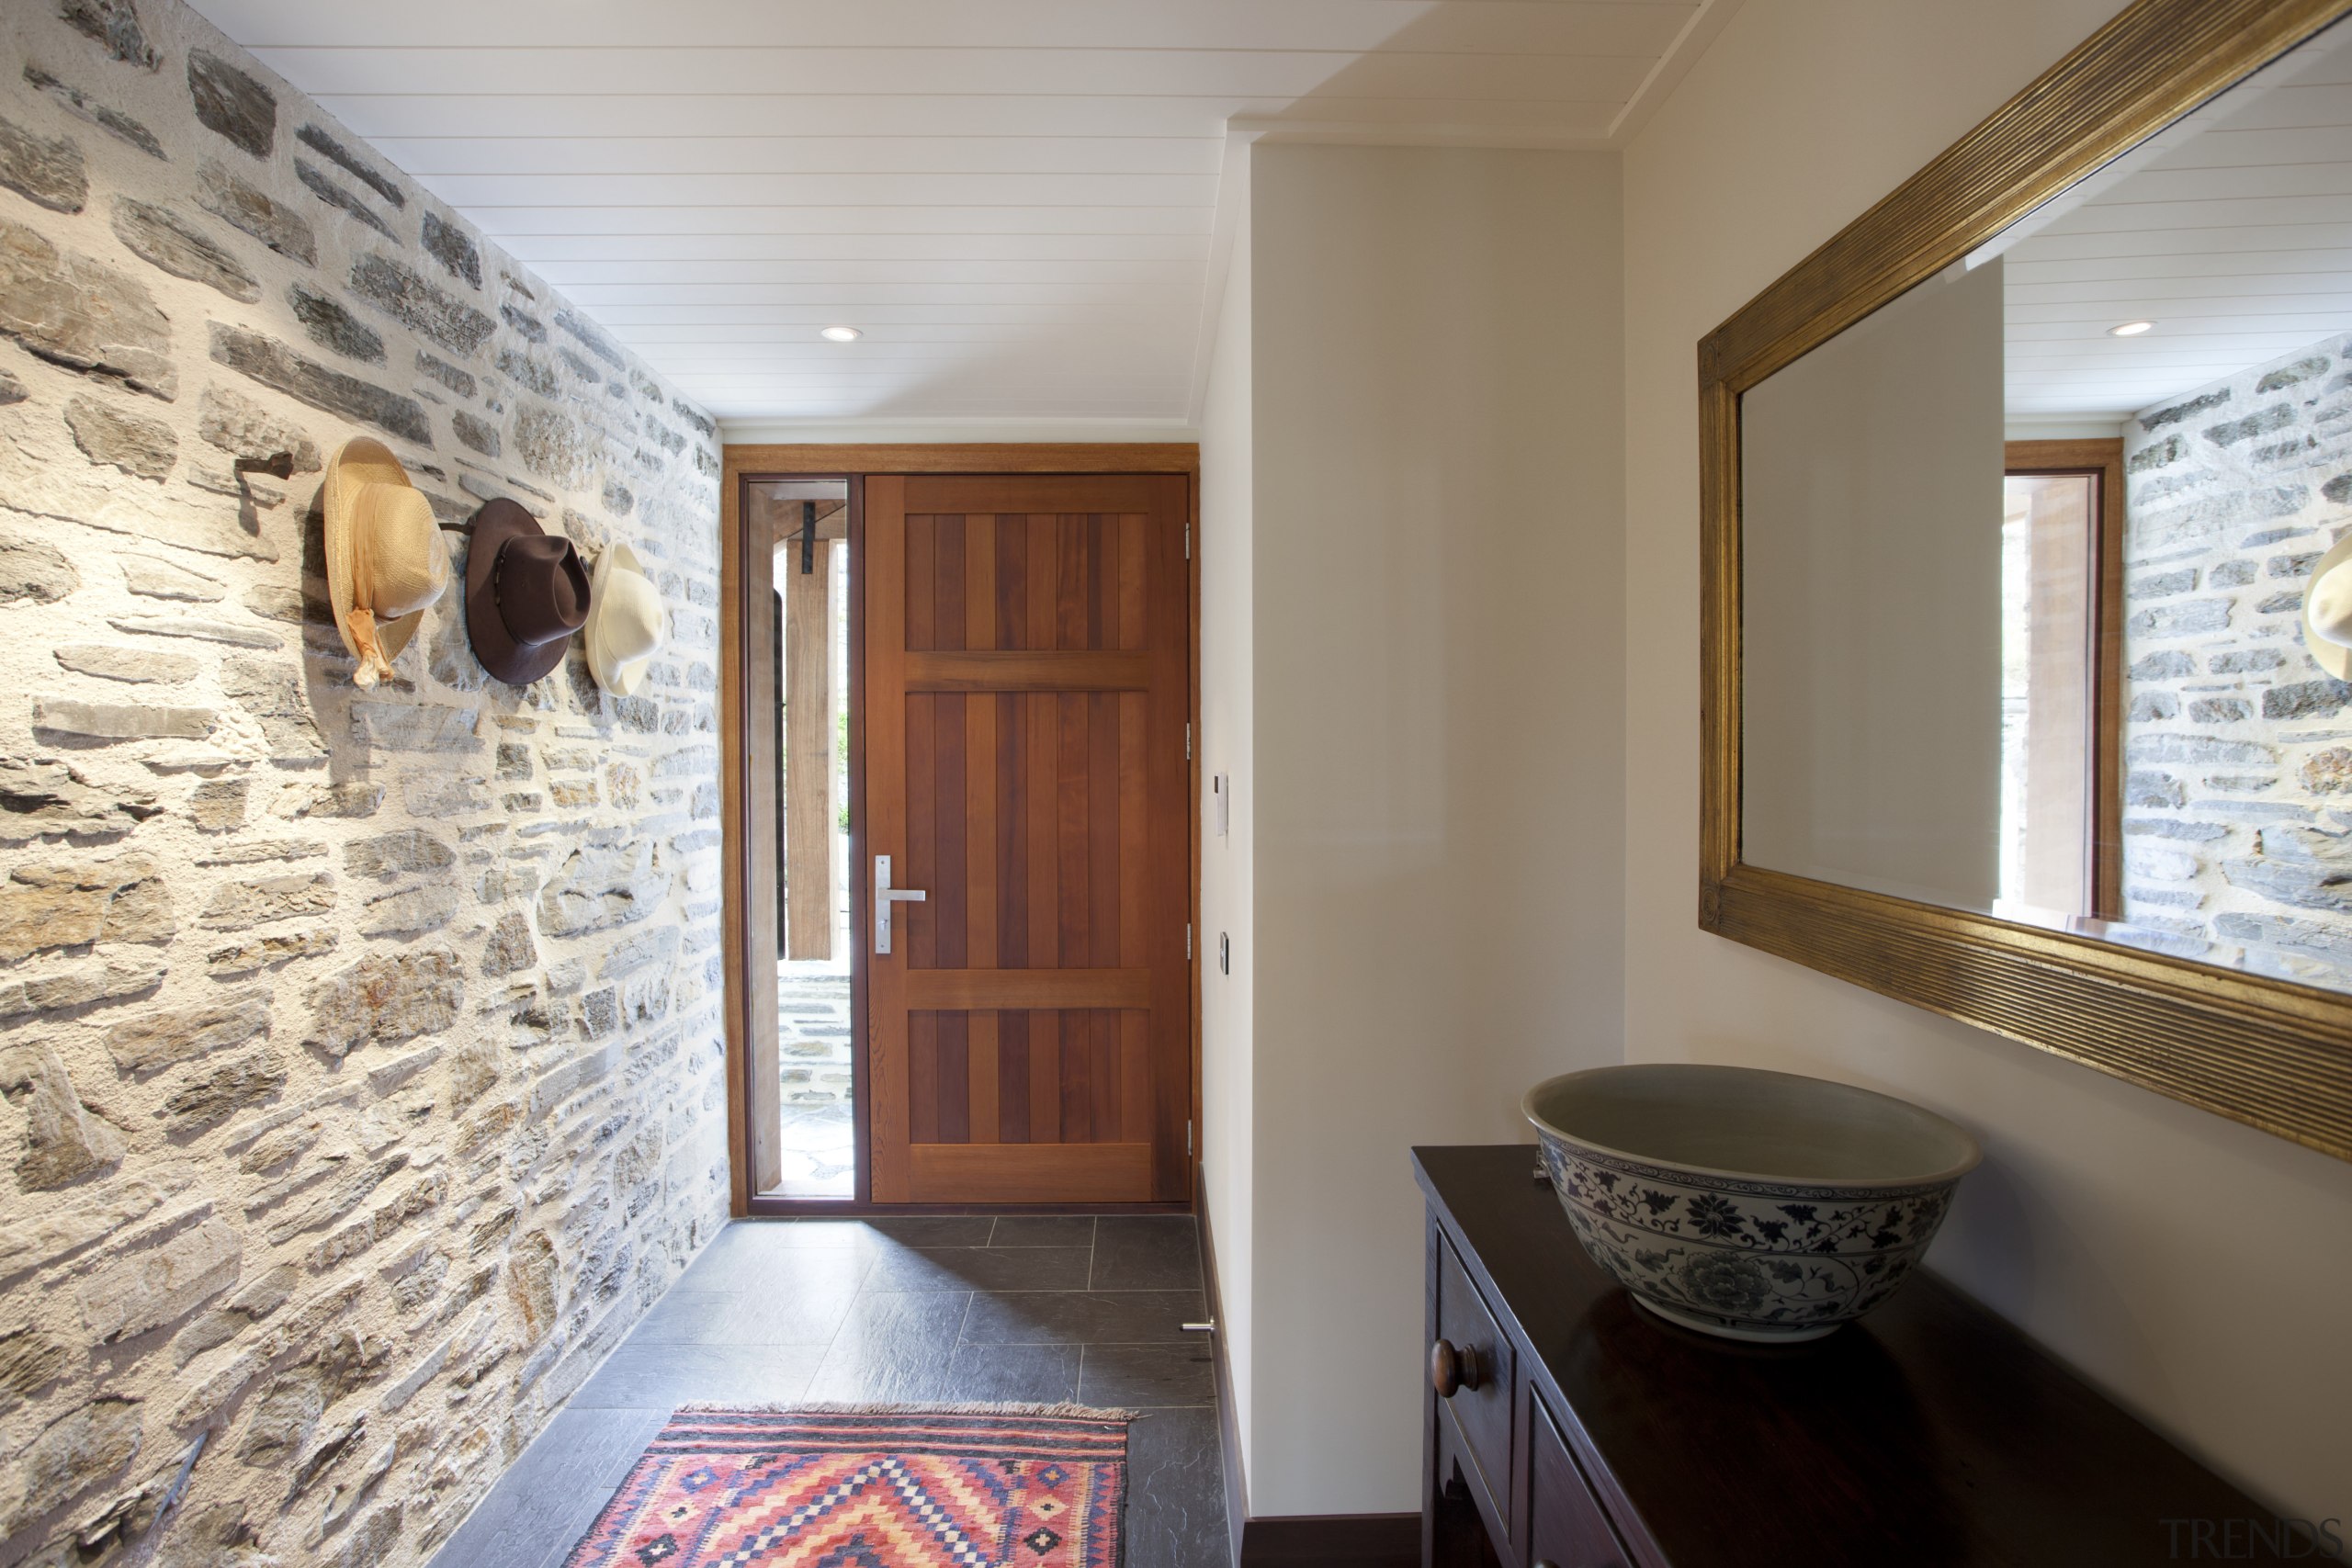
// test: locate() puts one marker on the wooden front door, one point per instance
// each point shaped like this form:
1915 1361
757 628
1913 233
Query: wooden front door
1027 691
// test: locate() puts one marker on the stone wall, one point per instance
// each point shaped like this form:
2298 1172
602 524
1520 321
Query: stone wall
2237 747
360 1051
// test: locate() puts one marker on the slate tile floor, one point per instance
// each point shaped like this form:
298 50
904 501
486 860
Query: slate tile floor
1035 1309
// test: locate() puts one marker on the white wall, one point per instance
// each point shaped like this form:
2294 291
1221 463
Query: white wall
1438 646
2194 1267
1227 883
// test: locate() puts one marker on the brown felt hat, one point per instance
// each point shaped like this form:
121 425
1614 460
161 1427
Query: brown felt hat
526 594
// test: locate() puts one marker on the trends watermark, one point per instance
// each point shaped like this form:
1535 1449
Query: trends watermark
2250 1540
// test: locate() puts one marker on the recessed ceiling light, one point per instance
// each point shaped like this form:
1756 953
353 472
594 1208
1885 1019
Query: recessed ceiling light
842 334
2131 329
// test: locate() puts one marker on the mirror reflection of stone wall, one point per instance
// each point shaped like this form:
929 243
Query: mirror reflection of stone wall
2238 797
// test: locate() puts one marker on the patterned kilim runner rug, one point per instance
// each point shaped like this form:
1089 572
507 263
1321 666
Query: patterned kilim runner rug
908 1488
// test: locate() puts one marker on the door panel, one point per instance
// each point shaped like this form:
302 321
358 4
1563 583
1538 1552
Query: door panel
1027 686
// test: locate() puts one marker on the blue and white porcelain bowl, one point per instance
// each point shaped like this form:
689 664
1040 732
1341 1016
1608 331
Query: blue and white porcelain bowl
1754 1206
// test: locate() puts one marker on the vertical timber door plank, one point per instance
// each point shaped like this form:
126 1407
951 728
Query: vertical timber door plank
981 780
886 825
809 811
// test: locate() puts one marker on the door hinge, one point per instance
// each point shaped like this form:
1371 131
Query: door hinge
1188 541
1187 742
1188 943
1188 1140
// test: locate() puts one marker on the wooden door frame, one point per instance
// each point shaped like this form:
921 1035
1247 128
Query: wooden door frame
747 766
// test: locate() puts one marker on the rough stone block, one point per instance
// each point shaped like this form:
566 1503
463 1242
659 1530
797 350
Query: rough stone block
73 312
144 448
414 726
272 222
33 571
79 104
386 997
44 798
510 947
355 799
162 1283
173 1035
63 1143
410 910
231 104
318 140
112 981
114 26
160 236
273 364
416 303
390 855
350 203
58 904
332 326
236 906
216 1095
91 1444
265 952
122 721
44 172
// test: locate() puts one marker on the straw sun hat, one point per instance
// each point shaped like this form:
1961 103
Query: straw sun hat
386 561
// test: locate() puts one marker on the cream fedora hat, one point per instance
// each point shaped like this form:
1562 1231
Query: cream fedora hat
2327 611
386 561
625 620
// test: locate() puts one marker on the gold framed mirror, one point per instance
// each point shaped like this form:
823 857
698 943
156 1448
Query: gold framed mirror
2013 497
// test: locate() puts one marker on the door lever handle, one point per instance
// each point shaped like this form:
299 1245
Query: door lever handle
885 898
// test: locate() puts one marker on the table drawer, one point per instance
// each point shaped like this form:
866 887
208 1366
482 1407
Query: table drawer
1473 1369
1565 1528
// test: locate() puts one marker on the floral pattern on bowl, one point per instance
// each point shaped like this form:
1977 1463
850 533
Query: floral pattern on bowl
1749 1260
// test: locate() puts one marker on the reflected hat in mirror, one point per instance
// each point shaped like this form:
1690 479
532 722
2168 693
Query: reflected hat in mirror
386 561
526 594
625 626
2327 611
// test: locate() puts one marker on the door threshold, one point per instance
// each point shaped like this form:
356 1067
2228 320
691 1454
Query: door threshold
775 1206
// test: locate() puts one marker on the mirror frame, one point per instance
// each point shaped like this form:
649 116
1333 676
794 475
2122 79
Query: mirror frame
2274 1054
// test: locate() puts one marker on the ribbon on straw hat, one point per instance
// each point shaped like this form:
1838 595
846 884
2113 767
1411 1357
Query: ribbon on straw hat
386 560
625 621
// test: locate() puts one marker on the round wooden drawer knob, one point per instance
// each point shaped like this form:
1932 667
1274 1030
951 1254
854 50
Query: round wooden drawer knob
1454 1369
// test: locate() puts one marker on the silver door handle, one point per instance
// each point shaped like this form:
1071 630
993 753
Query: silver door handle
886 895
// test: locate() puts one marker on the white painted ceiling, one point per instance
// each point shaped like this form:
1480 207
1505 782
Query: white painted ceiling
2231 231
1017 200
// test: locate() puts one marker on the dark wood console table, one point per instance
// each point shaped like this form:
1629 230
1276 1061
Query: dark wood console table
1582 1432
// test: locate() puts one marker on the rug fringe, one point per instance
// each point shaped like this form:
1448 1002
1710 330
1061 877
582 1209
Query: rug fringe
1065 1410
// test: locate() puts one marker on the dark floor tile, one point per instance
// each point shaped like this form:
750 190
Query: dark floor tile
935 1230
1137 1376
819 1276
1043 1230
1022 1374
547 1500
979 1269
1175 1492
1081 1317
661 1377
1147 1252
894 1346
